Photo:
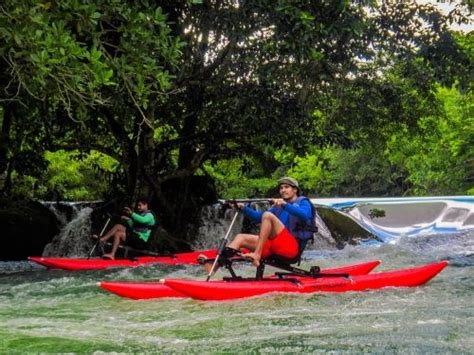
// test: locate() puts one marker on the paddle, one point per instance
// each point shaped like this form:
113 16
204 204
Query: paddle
98 239
222 246
233 201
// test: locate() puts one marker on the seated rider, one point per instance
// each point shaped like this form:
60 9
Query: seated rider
135 233
285 228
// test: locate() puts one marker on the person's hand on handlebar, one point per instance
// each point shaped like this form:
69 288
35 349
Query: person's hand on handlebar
238 205
126 213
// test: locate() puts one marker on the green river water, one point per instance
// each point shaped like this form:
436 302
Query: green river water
57 311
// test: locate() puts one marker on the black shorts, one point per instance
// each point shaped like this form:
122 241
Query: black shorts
133 240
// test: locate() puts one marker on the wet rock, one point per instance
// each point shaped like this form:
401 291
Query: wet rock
181 217
343 229
26 227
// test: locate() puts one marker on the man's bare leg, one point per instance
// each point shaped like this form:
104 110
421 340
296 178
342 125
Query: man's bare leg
269 229
247 241
116 228
119 236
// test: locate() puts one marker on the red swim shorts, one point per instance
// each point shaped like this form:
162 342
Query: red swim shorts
284 244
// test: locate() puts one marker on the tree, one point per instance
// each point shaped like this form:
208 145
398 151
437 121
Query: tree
165 87
75 73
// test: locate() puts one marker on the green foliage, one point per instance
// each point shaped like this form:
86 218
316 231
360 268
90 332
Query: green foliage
308 170
69 51
167 88
439 158
80 76
435 158
70 176
233 181
76 176
334 171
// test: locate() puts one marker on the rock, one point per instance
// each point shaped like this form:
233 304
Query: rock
343 229
26 227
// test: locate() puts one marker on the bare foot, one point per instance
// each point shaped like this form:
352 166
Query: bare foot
254 258
108 257
206 264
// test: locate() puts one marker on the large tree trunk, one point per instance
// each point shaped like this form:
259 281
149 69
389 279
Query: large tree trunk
5 146
129 154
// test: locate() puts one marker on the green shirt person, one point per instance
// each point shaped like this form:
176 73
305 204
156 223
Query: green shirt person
136 232
141 223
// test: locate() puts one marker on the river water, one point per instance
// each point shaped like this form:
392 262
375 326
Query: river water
57 311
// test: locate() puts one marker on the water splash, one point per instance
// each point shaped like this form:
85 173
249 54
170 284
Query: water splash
73 239
61 216
214 224
52 311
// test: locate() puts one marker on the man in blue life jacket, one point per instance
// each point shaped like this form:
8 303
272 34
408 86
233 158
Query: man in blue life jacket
136 232
285 228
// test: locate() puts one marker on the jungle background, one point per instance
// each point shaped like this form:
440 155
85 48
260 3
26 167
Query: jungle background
190 101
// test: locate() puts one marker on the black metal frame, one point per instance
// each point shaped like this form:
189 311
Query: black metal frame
230 256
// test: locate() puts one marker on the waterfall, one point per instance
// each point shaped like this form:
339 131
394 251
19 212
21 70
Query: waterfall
395 217
213 226
340 222
63 212
73 239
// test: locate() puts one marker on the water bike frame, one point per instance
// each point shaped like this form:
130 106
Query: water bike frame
230 256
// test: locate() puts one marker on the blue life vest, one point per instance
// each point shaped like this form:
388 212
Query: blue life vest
302 230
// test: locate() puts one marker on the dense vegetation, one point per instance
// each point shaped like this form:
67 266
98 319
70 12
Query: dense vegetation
145 97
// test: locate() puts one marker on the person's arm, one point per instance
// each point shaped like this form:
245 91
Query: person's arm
303 211
252 214
146 219
256 215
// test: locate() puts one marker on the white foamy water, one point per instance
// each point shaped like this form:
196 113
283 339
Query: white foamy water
59 311
73 239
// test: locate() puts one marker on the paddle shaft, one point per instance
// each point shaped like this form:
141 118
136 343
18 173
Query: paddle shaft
98 239
222 246
245 200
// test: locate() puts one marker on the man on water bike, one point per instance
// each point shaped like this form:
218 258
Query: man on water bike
137 230
285 228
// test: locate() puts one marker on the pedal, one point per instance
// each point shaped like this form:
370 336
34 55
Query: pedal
101 247
229 252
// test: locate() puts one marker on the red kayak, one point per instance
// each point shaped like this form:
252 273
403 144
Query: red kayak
98 264
146 290
227 290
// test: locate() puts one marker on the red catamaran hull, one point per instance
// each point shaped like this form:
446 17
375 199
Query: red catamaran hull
146 290
98 264
227 290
